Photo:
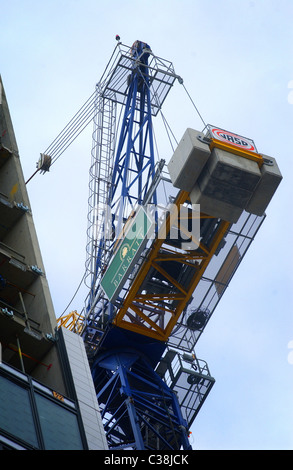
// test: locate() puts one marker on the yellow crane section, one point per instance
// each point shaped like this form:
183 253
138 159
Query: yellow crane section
166 307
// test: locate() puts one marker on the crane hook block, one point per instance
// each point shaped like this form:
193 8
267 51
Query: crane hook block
44 163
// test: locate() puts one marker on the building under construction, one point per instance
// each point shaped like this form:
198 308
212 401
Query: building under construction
164 240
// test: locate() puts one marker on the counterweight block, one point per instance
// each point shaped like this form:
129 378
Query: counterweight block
223 179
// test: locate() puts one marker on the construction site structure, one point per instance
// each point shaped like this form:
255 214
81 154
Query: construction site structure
163 243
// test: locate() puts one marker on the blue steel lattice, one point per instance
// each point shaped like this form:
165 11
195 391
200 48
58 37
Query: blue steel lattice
139 410
135 162
139 81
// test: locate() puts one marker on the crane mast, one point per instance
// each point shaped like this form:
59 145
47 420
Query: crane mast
147 413
164 242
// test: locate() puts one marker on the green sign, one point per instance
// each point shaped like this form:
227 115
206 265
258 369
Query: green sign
127 254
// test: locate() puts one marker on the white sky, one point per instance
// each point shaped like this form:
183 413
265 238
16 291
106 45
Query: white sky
236 59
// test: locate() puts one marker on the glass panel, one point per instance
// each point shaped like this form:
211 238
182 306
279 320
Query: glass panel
15 411
59 426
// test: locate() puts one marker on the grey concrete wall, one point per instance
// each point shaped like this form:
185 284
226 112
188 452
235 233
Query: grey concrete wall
85 391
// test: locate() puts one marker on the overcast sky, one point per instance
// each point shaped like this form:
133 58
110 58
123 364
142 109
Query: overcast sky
236 60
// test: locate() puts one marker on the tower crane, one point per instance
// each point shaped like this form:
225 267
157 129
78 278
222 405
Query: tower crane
163 244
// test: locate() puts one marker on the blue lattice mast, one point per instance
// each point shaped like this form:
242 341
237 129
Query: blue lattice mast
122 167
139 410
135 162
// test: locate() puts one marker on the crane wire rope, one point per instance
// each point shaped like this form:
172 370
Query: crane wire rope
83 117
85 113
70 132
74 295
75 131
194 105
66 136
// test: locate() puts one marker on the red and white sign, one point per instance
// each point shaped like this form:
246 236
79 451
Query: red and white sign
233 139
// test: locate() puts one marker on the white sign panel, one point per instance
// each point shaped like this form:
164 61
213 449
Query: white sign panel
233 139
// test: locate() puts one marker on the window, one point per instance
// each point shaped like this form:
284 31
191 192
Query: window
31 418
16 415
59 425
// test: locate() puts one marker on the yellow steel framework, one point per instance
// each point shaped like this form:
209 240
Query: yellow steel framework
72 321
166 308
155 314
